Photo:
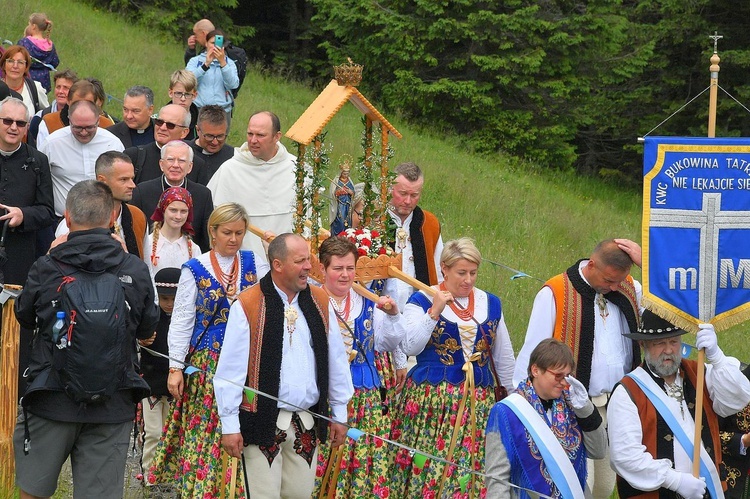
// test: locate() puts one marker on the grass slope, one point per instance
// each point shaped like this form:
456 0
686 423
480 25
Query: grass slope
532 220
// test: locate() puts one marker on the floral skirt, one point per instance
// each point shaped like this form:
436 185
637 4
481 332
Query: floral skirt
357 468
425 420
387 372
189 451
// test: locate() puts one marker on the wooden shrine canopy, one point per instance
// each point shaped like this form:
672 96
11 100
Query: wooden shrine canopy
324 108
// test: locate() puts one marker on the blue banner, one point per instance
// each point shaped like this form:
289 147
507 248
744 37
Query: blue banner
696 229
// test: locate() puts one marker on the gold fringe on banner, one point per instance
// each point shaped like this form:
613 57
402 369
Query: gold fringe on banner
689 324
8 391
725 321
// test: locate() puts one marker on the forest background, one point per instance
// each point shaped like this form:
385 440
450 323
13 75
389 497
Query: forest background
567 84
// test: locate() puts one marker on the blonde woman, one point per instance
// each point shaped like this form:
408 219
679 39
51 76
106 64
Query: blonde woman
459 338
190 451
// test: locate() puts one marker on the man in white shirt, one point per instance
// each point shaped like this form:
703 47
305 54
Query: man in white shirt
73 150
417 235
653 412
282 338
589 307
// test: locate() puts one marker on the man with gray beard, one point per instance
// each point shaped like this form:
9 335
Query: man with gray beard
652 415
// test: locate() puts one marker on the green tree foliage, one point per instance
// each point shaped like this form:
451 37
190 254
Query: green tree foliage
564 83
175 18
523 76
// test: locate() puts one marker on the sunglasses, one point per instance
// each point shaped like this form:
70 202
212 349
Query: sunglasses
170 126
9 122
558 375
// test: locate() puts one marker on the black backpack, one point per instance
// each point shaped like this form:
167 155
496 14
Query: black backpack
90 355
238 55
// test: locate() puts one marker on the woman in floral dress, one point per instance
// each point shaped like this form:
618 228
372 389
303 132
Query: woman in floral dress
358 467
443 411
190 450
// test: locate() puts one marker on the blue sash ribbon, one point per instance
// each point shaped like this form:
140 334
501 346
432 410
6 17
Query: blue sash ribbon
555 458
712 479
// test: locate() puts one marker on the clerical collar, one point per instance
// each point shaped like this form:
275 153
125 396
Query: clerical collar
11 153
166 185
141 131
203 150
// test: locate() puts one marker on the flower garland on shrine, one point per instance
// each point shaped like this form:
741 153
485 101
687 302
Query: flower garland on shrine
300 172
319 160
374 213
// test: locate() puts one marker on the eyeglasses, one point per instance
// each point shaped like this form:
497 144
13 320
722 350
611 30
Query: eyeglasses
359 213
9 122
182 95
15 62
211 138
170 126
558 375
87 129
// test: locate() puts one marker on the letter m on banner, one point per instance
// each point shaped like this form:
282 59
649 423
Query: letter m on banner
696 230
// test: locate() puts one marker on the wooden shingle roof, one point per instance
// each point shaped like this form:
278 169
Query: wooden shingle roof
324 108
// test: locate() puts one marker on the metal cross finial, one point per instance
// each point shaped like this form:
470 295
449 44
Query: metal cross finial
716 37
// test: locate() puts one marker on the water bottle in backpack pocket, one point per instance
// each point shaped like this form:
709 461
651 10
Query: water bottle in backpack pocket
93 361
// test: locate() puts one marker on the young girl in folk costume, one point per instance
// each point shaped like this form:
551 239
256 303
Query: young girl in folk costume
358 468
460 341
170 244
190 449
155 368
41 48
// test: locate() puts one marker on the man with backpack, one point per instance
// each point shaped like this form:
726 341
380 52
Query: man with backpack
89 301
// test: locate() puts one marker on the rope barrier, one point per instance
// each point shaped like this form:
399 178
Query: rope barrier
352 432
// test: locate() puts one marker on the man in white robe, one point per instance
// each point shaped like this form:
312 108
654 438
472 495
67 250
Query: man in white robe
261 177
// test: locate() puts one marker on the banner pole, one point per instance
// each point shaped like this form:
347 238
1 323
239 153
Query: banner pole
714 88
713 93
